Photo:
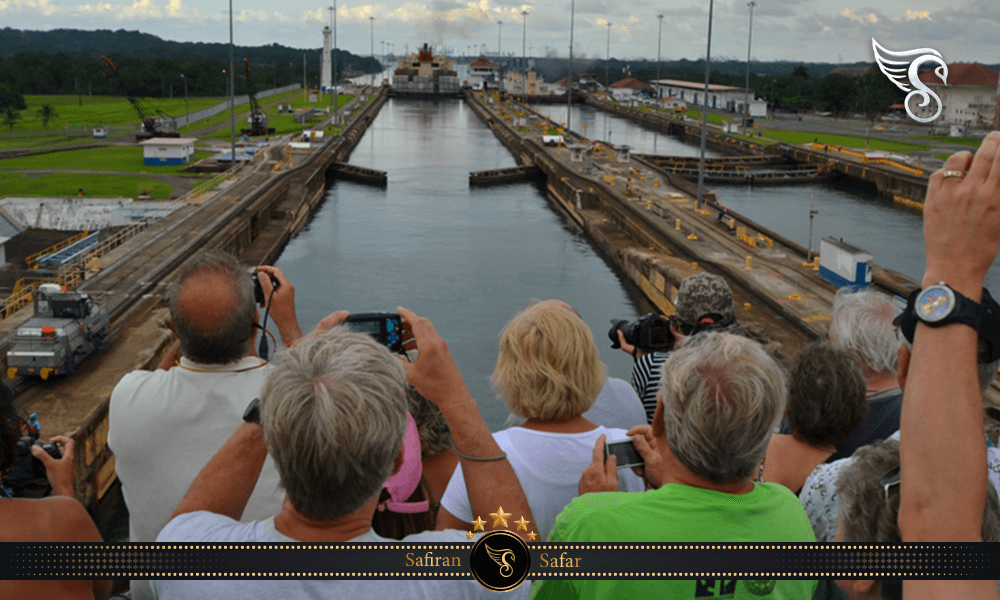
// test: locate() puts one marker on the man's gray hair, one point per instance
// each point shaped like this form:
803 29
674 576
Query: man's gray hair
867 512
334 416
861 320
229 339
723 395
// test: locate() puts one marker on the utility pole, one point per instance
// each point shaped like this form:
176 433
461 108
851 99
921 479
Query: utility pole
812 213
607 82
499 35
371 20
746 91
187 111
704 112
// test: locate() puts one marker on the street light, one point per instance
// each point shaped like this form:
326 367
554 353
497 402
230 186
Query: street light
187 112
569 75
336 92
372 21
524 58
659 41
704 112
607 82
746 91
232 90
499 35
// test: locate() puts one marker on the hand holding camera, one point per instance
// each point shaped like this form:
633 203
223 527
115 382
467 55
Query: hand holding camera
58 465
649 333
277 295
434 374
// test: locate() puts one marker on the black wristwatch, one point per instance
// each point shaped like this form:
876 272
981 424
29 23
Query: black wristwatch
938 305
252 414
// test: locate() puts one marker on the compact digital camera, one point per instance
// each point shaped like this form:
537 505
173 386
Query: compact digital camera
386 328
258 290
650 333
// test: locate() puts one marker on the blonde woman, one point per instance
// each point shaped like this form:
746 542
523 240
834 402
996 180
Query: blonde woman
549 373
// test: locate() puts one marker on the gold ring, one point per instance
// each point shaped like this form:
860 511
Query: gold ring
952 173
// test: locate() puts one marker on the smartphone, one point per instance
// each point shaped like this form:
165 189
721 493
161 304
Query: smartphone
386 328
626 453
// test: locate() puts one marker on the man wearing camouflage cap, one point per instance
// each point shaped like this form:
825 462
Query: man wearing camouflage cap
704 302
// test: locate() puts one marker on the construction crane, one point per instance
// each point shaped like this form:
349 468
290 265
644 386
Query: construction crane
150 126
258 118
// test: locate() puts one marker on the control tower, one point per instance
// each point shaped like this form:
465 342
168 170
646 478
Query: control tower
326 80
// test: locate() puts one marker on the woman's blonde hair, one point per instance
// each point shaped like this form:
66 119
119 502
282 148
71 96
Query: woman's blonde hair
549 367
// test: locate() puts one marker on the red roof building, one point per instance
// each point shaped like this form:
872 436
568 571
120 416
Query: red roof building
969 99
482 61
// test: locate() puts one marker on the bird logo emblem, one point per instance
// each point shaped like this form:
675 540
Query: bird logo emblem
500 558
901 69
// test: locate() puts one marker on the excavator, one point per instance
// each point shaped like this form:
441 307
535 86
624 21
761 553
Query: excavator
258 118
151 126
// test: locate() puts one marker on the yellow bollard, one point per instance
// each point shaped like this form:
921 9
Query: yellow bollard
677 224
694 266
746 306
649 205
692 237
656 181
749 258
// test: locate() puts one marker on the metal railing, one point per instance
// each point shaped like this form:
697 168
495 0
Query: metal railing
31 260
73 275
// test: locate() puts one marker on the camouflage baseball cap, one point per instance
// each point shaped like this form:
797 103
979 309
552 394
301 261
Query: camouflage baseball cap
704 294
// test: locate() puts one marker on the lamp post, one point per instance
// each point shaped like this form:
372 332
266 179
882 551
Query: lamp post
372 21
704 111
499 35
336 94
232 89
607 78
569 75
187 112
524 57
746 91
659 42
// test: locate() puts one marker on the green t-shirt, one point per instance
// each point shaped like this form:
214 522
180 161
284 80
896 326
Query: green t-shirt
680 513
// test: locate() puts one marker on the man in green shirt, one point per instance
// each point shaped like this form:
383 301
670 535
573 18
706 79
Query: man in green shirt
720 398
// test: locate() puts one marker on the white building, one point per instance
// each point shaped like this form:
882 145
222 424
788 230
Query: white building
970 98
515 83
167 151
628 89
720 97
483 72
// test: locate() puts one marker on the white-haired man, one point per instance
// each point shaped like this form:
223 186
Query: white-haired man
721 397
333 416
861 321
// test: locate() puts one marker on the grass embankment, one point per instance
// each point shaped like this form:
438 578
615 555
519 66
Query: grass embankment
109 158
285 123
944 139
847 141
65 185
224 116
95 110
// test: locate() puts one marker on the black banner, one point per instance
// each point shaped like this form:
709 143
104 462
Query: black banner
452 561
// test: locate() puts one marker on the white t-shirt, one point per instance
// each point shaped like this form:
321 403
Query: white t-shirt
164 426
209 527
549 466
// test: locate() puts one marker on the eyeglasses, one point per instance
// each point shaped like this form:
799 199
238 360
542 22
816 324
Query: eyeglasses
891 479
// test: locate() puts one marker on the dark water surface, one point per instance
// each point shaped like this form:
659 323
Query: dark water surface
468 259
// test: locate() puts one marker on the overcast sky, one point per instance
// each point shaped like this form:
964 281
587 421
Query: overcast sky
810 30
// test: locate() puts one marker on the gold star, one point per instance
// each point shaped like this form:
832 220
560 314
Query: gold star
532 536
469 535
480 524
500 517
522 524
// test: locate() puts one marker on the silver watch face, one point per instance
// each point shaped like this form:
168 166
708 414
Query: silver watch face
934 303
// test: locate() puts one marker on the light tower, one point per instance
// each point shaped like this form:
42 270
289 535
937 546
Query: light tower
325 79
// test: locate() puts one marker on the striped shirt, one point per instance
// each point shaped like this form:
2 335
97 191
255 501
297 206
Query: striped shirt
646 380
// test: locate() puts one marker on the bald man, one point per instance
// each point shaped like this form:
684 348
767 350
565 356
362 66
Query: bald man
165 425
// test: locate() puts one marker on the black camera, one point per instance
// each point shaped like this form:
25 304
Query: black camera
386 328
258 290
26 477
650 333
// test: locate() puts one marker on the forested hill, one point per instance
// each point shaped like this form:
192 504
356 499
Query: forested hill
68 61
76 43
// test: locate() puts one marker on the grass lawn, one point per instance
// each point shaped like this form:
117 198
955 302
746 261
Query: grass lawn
944 139
283 124
713 119
223 117
109 110
65 185
945 156
847 141
110 158
754 139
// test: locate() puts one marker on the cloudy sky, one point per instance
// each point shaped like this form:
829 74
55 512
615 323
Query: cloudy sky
812 30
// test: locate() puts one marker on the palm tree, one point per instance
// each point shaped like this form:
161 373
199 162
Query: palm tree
46 112
10 117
